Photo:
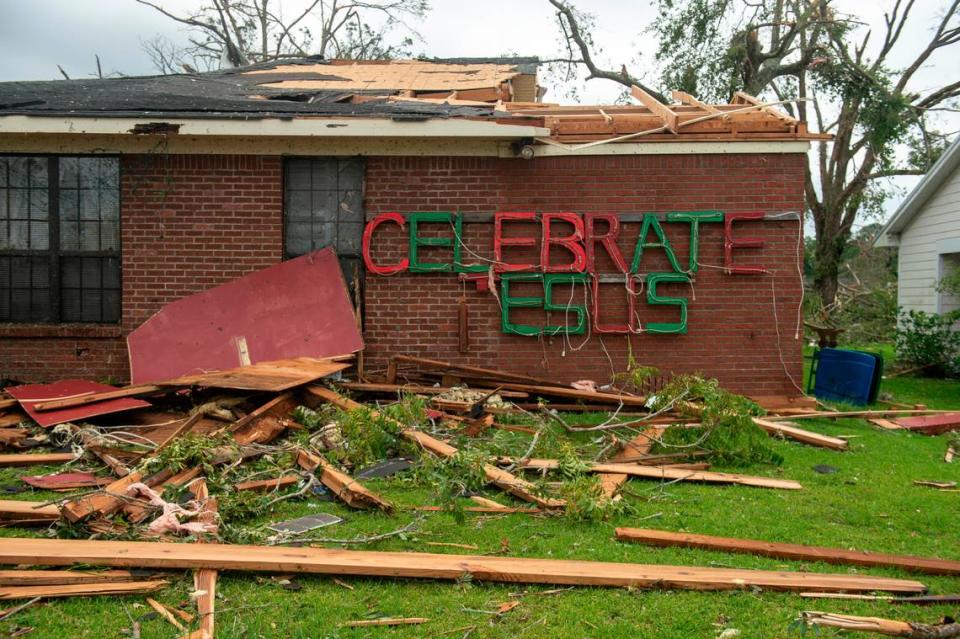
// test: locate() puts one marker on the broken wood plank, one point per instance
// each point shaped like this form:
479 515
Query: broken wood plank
28 511
180 430
63 482
791 431
93 398
614 399
352 492
790 551
64 577
885 423
639 446
34 459
166 614
205 579
103 503
920 600
668 473
268 485
11 419
890 627
501 478
274 377
405 621
100 589
503 510
416 389
279 402
489 503
472 370
339 562
858 413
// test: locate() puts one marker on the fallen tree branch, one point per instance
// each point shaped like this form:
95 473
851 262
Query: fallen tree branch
889 627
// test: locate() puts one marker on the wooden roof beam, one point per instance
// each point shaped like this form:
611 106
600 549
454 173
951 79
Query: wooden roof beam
685 98
666 114
745 98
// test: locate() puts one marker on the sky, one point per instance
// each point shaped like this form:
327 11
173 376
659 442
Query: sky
38 35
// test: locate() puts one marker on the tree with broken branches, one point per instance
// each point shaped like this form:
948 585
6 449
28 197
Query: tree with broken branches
840 76
233 33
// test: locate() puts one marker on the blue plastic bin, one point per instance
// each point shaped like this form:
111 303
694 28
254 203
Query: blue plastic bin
843 375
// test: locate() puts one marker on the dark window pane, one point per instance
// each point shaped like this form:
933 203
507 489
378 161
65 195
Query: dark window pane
109 236
70 308
38 173
111 306
39 236
69 172
298 205
324 174
348 239
351 206
19 171
111 273
298 174
19 204
89 236
39 201
324 234
19 236
89 204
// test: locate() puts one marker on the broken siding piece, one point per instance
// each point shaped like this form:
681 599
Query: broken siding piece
126 554
28 511
789 551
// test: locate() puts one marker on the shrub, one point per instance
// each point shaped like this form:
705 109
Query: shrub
930 340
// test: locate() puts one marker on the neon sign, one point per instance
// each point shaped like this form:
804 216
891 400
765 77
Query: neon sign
578 268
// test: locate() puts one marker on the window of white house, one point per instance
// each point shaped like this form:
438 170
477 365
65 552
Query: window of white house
59 239
948 293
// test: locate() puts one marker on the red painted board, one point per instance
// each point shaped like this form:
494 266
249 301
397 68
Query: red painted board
298 308
30 394
66 481
931 424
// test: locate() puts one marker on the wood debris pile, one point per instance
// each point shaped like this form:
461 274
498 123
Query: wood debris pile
146 465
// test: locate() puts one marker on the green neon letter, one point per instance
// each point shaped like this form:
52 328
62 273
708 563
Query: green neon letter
650 223
507 302
458 265
652 298
565 278
694 218
414 219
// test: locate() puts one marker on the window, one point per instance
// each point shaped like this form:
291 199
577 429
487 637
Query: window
948 286
59 239
323 206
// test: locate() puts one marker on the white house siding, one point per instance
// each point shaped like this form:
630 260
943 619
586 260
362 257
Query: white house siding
934 231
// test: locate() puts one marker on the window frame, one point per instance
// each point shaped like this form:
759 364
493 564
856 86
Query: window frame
353 258
54 253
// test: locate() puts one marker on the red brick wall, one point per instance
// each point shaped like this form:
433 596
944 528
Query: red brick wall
189 222
732 333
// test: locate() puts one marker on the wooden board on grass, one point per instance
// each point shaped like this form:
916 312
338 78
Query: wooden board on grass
133 554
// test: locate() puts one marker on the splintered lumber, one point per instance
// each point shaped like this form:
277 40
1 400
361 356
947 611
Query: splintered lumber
501 478
668 473
615 399
93 398
268 485
166 614
790 551
489 503
423 362
280 402
637 447
28 512
886 424
502 510
33 459
889 627
416 389
76 590
135 554
858 413
103 503
921 600
352 492
790 431
64 577
405 621
275 376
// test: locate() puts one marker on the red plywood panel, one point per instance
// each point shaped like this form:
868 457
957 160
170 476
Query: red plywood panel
298 308
30 394
931 424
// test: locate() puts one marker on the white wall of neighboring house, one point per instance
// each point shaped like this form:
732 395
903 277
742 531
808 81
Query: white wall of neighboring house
929 247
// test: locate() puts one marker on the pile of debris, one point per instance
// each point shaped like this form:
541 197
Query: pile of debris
160 460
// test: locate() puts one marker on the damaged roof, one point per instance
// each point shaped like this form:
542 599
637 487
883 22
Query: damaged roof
500 91
283 88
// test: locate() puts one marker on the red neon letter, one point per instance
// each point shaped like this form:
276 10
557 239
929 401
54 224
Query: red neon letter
368 234
572 243
729 244
499 241
608 239
632 325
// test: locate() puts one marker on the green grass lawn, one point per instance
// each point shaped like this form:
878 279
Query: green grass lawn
869 503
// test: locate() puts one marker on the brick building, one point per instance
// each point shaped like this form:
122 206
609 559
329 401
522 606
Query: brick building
482 225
